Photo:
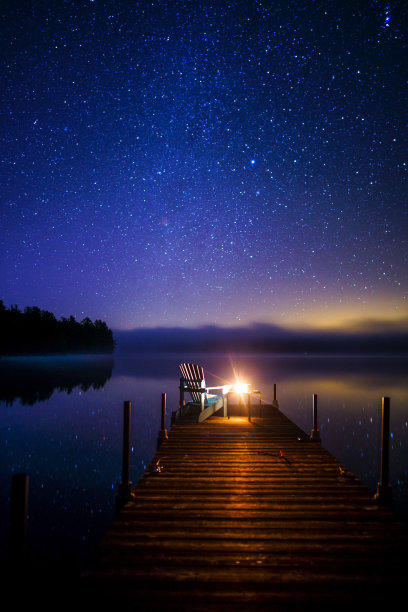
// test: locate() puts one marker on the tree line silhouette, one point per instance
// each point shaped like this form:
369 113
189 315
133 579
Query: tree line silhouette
38 332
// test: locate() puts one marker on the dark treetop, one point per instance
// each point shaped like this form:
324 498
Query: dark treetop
38 332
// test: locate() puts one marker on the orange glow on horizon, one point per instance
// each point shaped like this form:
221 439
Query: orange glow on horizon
347 316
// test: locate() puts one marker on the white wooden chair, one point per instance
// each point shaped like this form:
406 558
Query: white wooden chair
193 382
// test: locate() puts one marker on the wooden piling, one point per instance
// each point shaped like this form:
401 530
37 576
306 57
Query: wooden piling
384 490
18 520
182 400
163 431
315 434
275 402
124 492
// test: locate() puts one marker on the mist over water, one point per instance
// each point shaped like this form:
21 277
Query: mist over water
63 427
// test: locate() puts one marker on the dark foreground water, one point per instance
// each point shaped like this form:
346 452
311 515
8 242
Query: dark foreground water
61 423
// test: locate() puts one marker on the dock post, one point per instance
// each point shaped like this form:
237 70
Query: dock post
163 431
384 491
275 402
182 401
315 434
124 492
249 408
18 520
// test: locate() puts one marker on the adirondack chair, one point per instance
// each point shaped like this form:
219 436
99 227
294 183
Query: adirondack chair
193 382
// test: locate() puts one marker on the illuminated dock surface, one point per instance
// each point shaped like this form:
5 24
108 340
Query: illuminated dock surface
238 515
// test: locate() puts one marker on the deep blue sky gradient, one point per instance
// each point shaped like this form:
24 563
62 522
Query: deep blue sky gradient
182 163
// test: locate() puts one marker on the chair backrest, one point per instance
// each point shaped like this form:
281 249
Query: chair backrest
194 375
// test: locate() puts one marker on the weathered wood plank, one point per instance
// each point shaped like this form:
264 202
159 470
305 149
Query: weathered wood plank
231 522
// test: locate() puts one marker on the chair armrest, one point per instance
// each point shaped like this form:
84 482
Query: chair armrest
225 388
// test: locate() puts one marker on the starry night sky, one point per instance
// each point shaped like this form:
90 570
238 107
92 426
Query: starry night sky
182 163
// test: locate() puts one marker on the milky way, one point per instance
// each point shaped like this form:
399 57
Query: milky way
188 163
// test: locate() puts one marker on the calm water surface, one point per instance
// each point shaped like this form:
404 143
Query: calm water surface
61 423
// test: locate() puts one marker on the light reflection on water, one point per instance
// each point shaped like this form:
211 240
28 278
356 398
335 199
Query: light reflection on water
70 443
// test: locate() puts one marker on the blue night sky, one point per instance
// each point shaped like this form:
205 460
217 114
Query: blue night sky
182 163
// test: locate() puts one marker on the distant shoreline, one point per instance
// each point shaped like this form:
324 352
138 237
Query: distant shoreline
261 340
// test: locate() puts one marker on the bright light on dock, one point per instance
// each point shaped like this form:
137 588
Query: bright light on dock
240 387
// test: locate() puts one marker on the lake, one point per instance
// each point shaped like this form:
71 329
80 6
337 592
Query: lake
61 422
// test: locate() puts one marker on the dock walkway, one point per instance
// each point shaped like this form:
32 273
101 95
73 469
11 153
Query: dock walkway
238 515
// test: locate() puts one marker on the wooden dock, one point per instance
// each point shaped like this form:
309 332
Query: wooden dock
238 515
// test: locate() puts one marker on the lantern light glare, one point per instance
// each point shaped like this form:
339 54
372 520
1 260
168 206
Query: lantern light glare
240 387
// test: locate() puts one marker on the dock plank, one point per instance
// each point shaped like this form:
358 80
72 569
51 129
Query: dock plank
247 516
